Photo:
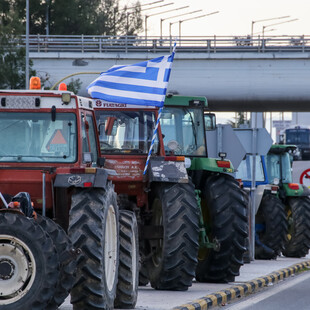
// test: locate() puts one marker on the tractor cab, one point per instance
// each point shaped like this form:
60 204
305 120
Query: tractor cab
183 130
279 169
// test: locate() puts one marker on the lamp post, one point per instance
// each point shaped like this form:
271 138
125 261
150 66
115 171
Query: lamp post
147 16
269 30
134 7
184 20
163 19
47 18
264 20
288 21
27 45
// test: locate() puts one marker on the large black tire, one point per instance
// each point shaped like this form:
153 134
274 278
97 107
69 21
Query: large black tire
246 254
93 227
174 257
271 214
128 273
224 209
298 243
67 267
28 250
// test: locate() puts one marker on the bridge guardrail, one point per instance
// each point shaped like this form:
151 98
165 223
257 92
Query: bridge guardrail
211 44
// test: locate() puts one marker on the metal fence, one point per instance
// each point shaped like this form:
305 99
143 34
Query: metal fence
126 44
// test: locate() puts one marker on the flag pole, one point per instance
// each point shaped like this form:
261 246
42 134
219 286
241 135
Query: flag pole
153 140
157 123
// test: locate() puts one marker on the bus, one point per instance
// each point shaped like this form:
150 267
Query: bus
301 138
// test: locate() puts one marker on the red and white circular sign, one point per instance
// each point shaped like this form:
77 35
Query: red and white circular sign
305 178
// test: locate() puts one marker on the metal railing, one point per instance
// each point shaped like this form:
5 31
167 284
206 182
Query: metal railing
126 44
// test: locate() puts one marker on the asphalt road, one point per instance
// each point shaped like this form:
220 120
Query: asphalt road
150 299
290 294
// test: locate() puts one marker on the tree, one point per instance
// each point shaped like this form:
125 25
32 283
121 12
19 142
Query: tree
76 17
12 55
240 119
12 63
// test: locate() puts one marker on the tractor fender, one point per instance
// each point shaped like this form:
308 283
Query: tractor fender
96 180
161 170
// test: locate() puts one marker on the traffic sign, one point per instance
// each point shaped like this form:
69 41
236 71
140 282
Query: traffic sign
305 178
281 124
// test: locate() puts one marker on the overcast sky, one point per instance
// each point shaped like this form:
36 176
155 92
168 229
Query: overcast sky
234 18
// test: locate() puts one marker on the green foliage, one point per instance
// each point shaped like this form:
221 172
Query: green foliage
239 120
72 17
12 63
74 85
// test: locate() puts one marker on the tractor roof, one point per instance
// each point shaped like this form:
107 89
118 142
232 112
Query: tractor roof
36 99
174 100
282 148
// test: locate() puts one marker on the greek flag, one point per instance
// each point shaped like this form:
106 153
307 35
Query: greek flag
144 83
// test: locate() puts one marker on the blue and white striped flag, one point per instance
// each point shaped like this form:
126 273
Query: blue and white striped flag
144 83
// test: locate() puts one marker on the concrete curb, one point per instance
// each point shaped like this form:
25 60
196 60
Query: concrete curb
233 292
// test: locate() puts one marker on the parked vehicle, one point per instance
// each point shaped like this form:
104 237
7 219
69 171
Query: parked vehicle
294 196
50 149
300 137
163 199
223 207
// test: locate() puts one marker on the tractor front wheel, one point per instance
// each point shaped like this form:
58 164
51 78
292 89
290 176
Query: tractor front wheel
173 258
271 220
128 274
93 228
29 265
298 242
224 210
67 264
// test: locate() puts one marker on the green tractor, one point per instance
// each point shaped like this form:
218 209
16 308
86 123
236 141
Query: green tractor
223 220
294 196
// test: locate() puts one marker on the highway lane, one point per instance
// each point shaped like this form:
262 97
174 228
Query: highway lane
151 299
290 294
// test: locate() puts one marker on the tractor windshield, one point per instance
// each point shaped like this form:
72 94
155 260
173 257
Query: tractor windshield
183 131
126 132
280 170
34 137
245 169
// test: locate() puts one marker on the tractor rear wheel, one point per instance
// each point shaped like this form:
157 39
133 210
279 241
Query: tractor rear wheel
271 216
175 214
224 209
298 243
29 266
93 227
128 274
67 265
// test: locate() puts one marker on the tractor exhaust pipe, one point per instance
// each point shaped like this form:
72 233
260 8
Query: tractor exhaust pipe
4 201
43 194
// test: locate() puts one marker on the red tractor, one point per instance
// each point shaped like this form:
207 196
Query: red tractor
49 148
163 198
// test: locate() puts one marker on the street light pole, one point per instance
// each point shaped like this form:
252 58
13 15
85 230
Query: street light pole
184 20
288 21
147 16
163 19
264 20
27 45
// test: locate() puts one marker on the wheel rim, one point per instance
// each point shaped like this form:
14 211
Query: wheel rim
110 247
17 269
134 259
158 221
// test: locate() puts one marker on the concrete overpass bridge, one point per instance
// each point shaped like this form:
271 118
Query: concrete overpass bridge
234 73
